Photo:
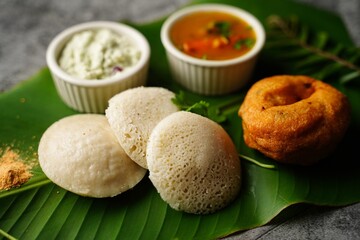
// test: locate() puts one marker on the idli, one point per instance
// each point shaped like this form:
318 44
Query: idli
193 163
81 154
134 113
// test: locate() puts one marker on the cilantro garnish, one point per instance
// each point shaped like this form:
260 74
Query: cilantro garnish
221 28
246 42
202 108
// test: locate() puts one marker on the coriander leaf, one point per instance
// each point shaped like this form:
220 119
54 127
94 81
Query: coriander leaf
223 28
202 108
179 100
246 42
220 28
215 114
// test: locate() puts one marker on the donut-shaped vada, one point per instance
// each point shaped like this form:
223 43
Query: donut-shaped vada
294 119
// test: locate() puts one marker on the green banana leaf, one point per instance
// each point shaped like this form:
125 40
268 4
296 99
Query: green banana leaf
41 210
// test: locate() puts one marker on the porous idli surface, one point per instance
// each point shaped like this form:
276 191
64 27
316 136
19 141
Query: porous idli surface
193 163
134 113
81 154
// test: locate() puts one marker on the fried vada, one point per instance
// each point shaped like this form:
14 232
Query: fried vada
294 119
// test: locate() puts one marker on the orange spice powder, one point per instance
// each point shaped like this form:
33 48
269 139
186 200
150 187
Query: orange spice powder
13 171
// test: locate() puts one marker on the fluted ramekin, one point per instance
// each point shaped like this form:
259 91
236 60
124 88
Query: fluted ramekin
212 77
92 96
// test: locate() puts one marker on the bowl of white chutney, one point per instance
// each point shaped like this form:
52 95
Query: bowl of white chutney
93 61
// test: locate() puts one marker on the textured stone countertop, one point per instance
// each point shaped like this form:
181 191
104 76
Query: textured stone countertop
27 27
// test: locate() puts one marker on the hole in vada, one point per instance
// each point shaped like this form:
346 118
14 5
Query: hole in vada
289 94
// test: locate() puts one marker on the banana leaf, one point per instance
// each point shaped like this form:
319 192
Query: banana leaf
41 210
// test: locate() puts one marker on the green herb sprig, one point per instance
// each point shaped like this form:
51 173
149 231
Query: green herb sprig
246 42
222 28
304 51
202 108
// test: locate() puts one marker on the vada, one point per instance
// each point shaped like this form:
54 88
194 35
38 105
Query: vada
294 119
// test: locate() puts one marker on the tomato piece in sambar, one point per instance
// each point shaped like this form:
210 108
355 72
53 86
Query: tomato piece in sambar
212 35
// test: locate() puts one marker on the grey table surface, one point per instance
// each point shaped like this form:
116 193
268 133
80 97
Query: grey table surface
27 27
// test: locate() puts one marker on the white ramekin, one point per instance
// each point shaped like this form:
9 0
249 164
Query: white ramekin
92 96
212 77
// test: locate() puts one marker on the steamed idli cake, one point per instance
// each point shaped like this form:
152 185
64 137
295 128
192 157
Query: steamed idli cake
193 163
81 154
134 113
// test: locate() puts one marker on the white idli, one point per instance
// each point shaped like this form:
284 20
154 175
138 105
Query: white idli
193 163
81 154
134 113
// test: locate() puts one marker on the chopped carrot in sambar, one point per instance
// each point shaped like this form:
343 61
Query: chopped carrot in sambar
212 35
